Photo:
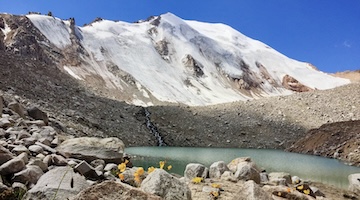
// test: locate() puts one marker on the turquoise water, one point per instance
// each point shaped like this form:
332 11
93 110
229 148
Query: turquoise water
314 168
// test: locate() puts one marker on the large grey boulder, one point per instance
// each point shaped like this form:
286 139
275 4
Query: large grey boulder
251 191
161 183
110 190
193 170
245 169
217 169
354 183
59 183
91 148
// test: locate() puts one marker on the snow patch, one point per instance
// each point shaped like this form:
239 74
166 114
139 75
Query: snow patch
68 70
6 30
54 29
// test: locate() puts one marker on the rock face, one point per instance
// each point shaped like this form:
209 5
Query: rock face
110 190
56 184
291 83
336 140
89 149
193 170
161 183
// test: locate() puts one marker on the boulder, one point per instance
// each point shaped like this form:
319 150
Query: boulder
38 114
17 108
280 178
12 166
58 184
193 170
109 190
245 169
1 105
18 149
4 123
354 183
161 183
36 149
251 191
217 169
39 163
91 148
30 175
5 155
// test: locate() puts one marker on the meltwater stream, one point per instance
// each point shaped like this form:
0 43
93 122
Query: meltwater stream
307 167
153 129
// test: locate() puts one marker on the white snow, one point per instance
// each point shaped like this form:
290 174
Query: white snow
68 70
6 30
54 29
218 48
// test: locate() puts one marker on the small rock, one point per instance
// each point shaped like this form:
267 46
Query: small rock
58 160
4 123
110 166
39 163
5 155
20 149
17 108
87 170
38 114
31 174
36 149
12 166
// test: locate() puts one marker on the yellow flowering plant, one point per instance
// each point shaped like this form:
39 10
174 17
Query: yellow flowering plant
197 180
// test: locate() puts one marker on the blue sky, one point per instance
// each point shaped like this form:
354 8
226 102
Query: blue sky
325 33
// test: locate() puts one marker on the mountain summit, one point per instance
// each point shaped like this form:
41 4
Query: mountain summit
163 59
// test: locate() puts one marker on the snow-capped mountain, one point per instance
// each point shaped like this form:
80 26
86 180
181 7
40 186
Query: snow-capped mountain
168 59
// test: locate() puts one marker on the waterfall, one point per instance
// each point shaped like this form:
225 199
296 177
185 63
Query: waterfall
153 129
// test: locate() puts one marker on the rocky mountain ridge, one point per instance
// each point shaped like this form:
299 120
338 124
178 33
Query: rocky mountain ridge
161 60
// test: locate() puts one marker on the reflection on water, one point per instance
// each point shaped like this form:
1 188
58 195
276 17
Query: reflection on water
307 167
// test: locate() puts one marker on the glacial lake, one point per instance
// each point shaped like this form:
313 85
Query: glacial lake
307 167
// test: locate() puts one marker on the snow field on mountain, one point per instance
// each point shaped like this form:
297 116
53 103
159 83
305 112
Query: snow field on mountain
218 49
